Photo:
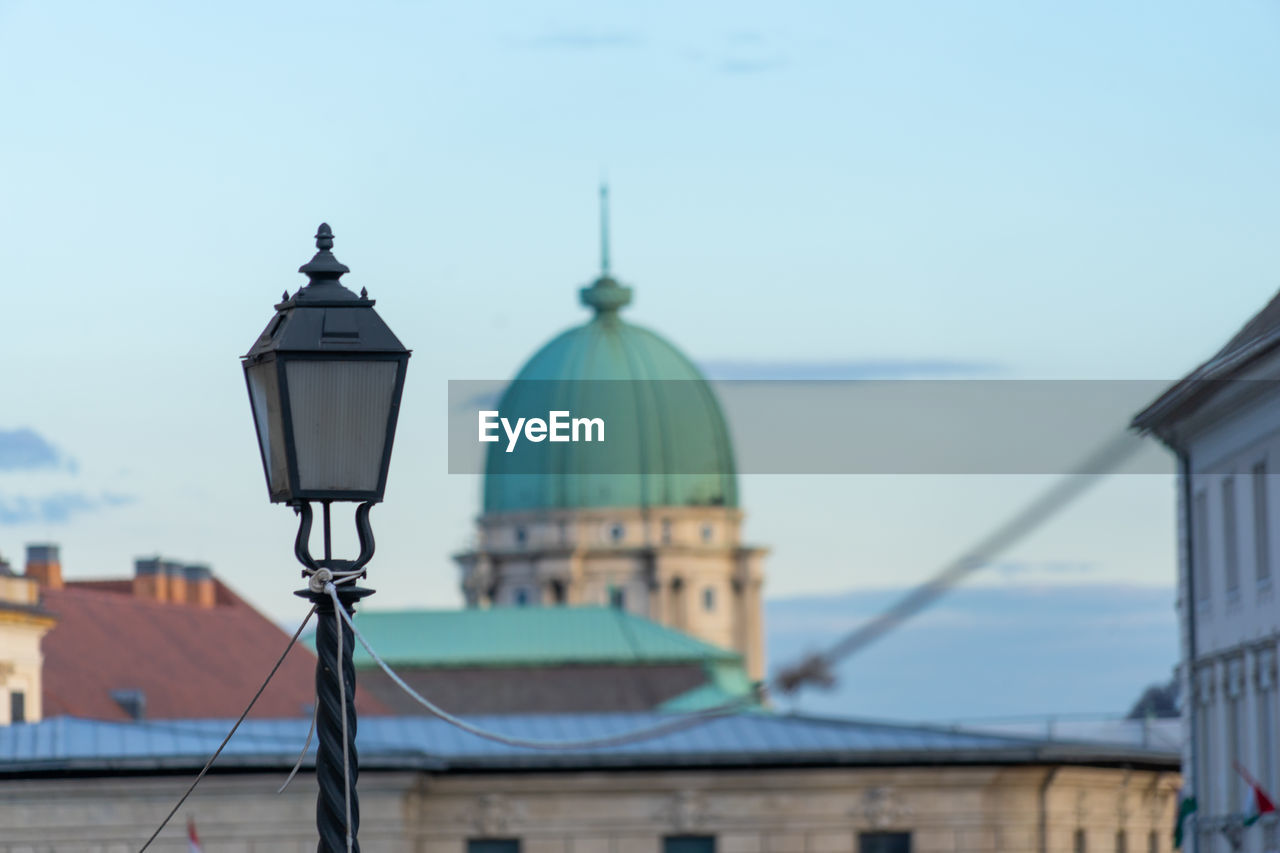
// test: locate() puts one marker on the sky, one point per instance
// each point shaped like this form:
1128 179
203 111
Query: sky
1020 189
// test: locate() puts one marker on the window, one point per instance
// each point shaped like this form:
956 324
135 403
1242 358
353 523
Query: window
132 701
1261 538
17 706
1230 538
616 532
1080 845
522 597
1153 842
617 597
1200 532
708 532
1122 842
689 844
709 599
493 845
522 536
884 842
666 531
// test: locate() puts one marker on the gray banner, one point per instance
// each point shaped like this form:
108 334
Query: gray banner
802 427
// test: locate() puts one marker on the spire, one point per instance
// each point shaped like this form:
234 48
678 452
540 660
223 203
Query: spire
604 229
605 295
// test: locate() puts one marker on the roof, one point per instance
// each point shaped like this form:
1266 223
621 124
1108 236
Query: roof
84 747
524 636
724 684
1256 338
579 687
188 661
668 443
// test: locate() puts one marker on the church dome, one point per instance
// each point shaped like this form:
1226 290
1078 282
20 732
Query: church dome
680 440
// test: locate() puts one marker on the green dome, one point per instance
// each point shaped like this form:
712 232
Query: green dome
680 440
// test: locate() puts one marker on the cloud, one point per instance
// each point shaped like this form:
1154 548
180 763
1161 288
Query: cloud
57 508
27 450
1053 567
580 40
730 369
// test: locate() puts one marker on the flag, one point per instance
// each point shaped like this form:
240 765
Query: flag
1257 802
193 840
1186 808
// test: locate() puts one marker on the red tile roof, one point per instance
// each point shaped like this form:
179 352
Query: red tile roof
188 661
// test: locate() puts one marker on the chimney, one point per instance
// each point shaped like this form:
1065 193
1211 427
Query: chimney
200 592
44 566
150 579
175 574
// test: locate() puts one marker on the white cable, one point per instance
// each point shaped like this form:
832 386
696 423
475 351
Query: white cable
297 765
644 733
227 739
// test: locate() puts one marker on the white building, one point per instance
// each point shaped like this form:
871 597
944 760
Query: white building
1223 422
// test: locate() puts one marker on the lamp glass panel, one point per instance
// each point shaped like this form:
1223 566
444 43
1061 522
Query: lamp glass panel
340 411
264 395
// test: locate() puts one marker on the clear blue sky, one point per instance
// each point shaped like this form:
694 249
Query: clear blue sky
1061 190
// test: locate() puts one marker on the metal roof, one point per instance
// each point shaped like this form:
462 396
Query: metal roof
85 747
1258 337
525 636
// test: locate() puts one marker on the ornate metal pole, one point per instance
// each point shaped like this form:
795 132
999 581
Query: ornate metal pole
337 762
331 802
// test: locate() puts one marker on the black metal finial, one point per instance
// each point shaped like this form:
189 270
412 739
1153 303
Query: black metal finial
324 265
324 237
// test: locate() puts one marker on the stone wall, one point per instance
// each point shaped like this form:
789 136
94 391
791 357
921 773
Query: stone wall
947 810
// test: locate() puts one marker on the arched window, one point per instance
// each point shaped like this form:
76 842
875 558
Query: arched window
709 599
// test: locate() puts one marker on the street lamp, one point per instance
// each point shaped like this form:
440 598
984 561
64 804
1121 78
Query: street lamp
325 379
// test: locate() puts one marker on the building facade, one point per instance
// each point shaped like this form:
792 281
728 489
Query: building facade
654 528
24 622
1223 423
749 784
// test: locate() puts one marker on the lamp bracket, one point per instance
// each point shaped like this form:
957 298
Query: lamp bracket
302 544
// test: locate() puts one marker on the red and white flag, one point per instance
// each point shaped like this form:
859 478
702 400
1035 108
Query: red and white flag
1257 801
193 840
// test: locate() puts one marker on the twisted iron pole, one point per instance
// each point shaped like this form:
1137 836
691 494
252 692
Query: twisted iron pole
331 802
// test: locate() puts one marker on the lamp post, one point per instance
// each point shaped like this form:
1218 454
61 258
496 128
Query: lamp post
325 379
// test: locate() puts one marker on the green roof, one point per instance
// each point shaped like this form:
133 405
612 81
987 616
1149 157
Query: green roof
725 683
525 636
675 448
